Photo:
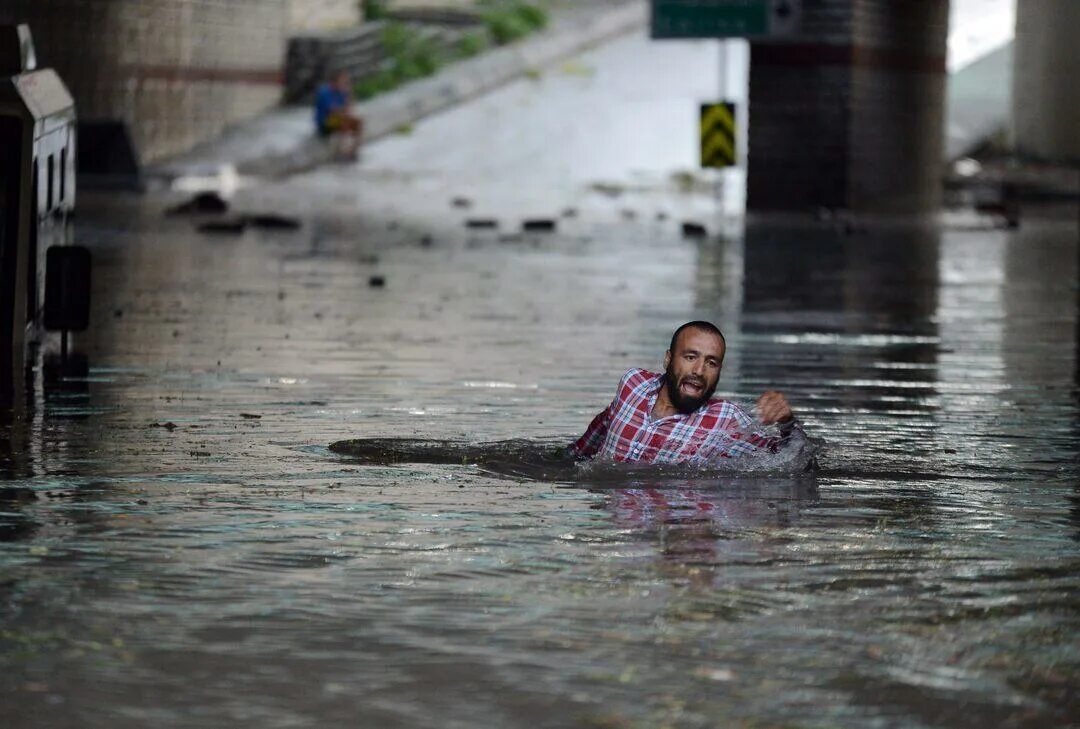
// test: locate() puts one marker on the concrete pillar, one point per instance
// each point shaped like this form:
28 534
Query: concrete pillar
1046 107
850 115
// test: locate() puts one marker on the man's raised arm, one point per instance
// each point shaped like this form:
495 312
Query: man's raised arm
772 408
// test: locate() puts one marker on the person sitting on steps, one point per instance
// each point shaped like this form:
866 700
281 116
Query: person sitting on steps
334 118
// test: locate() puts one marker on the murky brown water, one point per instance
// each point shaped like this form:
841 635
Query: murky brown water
181 548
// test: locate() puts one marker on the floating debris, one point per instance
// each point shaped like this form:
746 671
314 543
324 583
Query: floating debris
608 188
203 203
461 202
482 223
377 282
250 416
694 230
268 220
232 226
539 225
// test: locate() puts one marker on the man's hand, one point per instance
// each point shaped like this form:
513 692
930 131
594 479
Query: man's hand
773 408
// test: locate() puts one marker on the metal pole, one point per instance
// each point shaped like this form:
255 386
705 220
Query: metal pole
725 64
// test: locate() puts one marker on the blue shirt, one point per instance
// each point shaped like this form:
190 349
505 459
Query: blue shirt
327 100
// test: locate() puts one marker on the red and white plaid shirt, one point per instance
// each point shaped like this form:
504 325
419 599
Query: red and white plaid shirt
626 430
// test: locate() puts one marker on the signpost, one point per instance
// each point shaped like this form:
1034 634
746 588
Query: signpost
681 19
725 18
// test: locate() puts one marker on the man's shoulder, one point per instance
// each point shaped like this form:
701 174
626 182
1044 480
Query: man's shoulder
635 384
636 376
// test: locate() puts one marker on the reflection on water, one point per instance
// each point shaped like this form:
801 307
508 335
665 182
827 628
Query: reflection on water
178 546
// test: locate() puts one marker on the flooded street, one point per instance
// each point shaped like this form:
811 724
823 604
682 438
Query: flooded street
181 548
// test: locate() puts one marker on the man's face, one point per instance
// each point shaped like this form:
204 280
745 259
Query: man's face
341 81
693 369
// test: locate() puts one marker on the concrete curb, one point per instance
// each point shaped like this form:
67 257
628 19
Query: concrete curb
283 142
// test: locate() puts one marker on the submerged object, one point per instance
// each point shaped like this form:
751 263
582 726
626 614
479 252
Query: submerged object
539 225
270 220
694 230
203 203
230 226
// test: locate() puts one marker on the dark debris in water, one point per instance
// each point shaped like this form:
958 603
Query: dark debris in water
694 230
229 226
204 203
273 221
538 225
238 224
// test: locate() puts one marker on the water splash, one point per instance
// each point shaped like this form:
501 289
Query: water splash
548 460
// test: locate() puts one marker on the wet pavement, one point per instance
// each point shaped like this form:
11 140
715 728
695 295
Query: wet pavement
181 548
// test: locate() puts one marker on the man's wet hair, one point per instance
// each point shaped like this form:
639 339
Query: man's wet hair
704 326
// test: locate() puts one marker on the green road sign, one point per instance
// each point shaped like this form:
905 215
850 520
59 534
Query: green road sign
724 18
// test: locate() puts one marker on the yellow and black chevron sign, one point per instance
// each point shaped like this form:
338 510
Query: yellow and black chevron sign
718 135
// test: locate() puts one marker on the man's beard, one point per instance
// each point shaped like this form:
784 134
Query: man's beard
686 403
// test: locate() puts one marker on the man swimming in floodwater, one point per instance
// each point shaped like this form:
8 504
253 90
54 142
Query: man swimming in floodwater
671 418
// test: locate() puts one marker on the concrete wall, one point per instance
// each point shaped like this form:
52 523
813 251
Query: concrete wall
1046 107
410 4
177 71
309 15
850 114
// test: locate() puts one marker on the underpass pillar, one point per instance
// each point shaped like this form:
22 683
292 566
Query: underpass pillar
850 114
1046 107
